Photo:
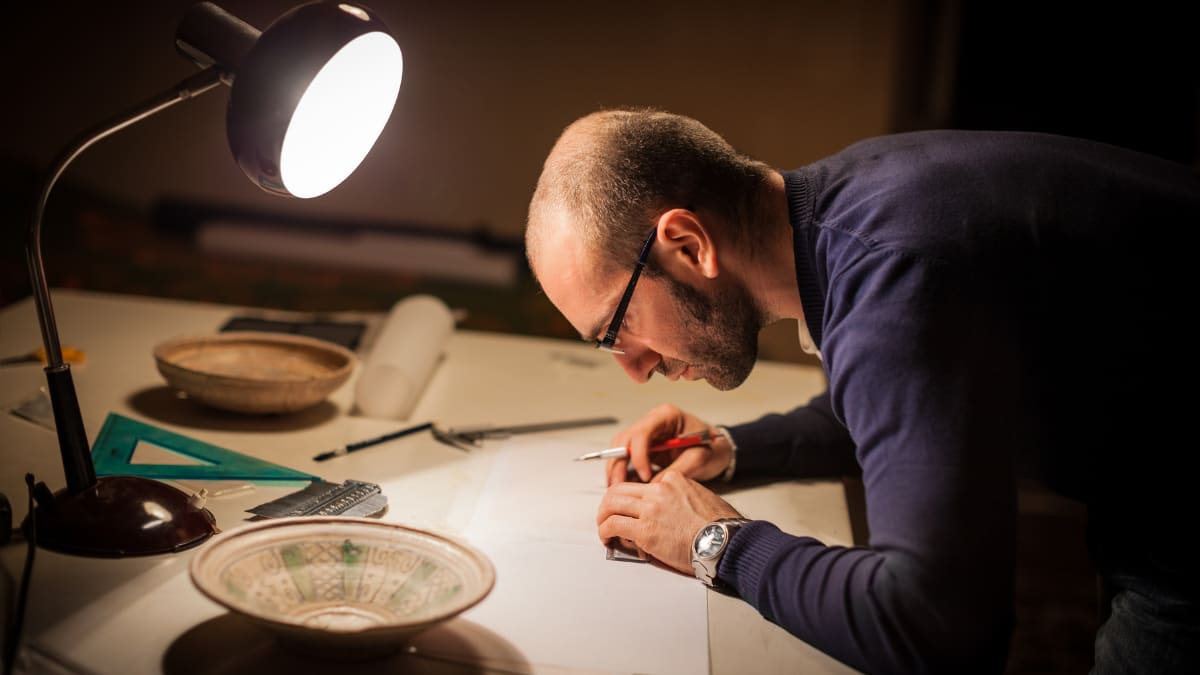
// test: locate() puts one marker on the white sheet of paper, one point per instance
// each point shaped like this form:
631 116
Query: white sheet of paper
537 491
557 601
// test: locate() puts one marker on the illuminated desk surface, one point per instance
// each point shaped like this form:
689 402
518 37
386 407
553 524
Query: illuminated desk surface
142 615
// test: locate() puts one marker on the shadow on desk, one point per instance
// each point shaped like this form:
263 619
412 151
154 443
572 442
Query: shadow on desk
232 645
164 404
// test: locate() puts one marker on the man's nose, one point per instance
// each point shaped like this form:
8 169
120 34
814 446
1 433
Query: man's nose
638 363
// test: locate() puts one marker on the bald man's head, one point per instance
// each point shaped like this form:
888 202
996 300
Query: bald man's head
612 173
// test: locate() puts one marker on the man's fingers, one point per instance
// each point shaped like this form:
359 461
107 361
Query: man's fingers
687 464
620 526
639 457
619 504
616 471
627 488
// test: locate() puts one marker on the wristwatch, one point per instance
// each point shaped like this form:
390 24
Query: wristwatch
710 544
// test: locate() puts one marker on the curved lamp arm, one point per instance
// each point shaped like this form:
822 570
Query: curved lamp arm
317 47
72 439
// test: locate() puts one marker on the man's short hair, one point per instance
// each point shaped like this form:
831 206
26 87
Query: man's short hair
614 172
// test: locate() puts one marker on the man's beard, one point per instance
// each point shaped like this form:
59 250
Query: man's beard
724 332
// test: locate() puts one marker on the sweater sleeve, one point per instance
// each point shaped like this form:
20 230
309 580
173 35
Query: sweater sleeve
920 369
808 442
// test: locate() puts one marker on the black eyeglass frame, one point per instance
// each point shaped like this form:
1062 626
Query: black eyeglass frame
609 342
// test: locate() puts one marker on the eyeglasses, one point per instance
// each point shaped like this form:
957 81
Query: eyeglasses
609 342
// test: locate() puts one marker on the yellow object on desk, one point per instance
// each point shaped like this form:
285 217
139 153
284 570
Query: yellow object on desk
69 354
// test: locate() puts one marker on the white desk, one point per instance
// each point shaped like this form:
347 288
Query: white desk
142 615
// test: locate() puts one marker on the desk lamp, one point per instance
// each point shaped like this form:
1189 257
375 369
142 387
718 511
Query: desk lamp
308 98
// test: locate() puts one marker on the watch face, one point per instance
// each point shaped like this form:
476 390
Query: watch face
710 541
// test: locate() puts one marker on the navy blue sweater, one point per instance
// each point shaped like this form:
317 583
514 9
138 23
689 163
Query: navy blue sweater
988 305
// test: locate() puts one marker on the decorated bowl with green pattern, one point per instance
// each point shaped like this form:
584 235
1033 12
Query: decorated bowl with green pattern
342 587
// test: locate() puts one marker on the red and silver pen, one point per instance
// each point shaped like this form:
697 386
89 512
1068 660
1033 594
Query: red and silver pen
702 438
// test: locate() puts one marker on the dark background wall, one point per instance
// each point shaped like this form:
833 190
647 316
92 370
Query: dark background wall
487 87
1127 75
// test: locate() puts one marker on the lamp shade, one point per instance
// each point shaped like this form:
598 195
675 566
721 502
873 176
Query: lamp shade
303 133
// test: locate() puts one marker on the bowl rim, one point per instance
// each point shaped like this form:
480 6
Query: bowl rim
205 552
265 337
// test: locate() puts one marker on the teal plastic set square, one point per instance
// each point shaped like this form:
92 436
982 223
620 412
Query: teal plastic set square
113 453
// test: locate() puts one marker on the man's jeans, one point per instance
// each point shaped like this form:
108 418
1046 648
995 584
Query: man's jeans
1151 627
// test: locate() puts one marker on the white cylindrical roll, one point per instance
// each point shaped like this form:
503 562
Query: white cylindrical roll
401 362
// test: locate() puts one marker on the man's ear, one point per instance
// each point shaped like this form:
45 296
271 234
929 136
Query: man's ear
684 246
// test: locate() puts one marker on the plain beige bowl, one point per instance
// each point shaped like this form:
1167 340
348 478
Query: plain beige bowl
254 372
342 588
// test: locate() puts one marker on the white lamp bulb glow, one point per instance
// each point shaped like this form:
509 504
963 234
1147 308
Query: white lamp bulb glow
340 115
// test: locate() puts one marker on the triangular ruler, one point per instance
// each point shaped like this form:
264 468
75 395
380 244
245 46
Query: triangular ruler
119 438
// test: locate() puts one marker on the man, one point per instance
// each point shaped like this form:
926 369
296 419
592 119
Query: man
986 305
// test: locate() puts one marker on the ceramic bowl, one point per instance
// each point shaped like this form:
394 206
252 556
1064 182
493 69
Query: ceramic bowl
341 588
254 372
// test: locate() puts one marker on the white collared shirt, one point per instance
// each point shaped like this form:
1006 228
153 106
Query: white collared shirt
806 342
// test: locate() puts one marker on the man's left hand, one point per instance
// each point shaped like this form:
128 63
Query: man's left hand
661 518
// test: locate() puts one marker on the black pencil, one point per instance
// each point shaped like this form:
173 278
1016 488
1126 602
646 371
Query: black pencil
353 447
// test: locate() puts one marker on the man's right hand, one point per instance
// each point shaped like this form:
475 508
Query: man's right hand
701 462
